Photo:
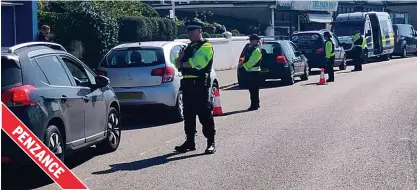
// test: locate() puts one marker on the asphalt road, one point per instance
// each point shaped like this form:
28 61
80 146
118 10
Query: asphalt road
359 132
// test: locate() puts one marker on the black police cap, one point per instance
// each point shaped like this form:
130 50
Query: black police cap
327 34
254 37
193 25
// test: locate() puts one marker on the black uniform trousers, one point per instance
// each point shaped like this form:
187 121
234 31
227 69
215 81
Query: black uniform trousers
329 67
357 59
253 79
196 101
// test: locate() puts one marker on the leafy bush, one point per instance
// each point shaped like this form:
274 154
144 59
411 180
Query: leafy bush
82 21
133 29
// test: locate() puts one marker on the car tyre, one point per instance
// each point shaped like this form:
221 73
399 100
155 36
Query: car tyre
113 132
55 142
404 53
179 107
305 76
290 78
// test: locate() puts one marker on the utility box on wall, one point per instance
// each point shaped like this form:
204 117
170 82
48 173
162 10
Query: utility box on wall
19 22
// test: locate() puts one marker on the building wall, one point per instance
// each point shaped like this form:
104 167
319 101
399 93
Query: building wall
410 9
26 23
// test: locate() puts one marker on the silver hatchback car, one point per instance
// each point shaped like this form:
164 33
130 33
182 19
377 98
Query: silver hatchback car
144 74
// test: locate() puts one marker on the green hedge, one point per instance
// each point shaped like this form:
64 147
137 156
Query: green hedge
83 22
134 29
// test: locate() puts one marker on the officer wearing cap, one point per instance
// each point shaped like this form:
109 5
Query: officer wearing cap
329 56
250 64
195 63
359 45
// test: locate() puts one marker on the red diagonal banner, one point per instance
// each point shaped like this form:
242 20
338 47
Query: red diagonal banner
38 152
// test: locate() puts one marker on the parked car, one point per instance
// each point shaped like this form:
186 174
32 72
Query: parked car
281 59
144 74
312 44
405 40
59 99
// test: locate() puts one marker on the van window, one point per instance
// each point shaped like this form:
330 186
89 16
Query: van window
384 27
348 28
134 57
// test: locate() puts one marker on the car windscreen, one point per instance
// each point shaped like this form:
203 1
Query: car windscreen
11 74
347 28
307 40
403 30
134 57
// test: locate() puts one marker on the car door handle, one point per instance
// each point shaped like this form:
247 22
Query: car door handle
86 99
64 98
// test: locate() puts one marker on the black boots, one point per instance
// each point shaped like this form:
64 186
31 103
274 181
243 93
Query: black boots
188 145
252 108
211 148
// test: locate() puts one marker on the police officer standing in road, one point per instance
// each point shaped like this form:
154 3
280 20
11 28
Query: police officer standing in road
195 63
358 43
251 64
329 55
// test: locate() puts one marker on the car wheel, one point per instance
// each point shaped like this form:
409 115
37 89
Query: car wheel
290 78
404 54
55 142
306 74
179 107
343 65
112 140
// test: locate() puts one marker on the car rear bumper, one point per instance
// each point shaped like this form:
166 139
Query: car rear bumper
165 94
35 119
276 72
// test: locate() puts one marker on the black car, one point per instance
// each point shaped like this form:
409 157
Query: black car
281 59
405 40
59 99
312 43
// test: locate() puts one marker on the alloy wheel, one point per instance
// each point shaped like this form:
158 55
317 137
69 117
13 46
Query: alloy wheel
55 144
113 129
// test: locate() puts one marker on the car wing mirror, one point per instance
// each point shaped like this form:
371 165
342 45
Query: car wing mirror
101 81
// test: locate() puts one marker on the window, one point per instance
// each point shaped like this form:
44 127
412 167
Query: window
174 52
11 74
271 48
54 70
80 75
39 72
134 57
294 47
289 51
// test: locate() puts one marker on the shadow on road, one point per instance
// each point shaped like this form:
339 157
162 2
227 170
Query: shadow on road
234 112
142 164
31 177
265 85
141 118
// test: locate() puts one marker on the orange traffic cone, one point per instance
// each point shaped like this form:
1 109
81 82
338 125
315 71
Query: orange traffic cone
217 108
322 78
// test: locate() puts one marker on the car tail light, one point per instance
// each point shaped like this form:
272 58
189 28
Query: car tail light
281 59
320 51
101 73
241 60
18 95
6 160
167 74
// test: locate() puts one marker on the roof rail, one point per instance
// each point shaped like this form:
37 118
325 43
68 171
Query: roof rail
31 44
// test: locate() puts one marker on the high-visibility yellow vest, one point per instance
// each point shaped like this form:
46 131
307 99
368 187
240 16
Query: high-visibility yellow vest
252 63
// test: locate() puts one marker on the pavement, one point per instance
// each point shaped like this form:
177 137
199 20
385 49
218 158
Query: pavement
359 132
